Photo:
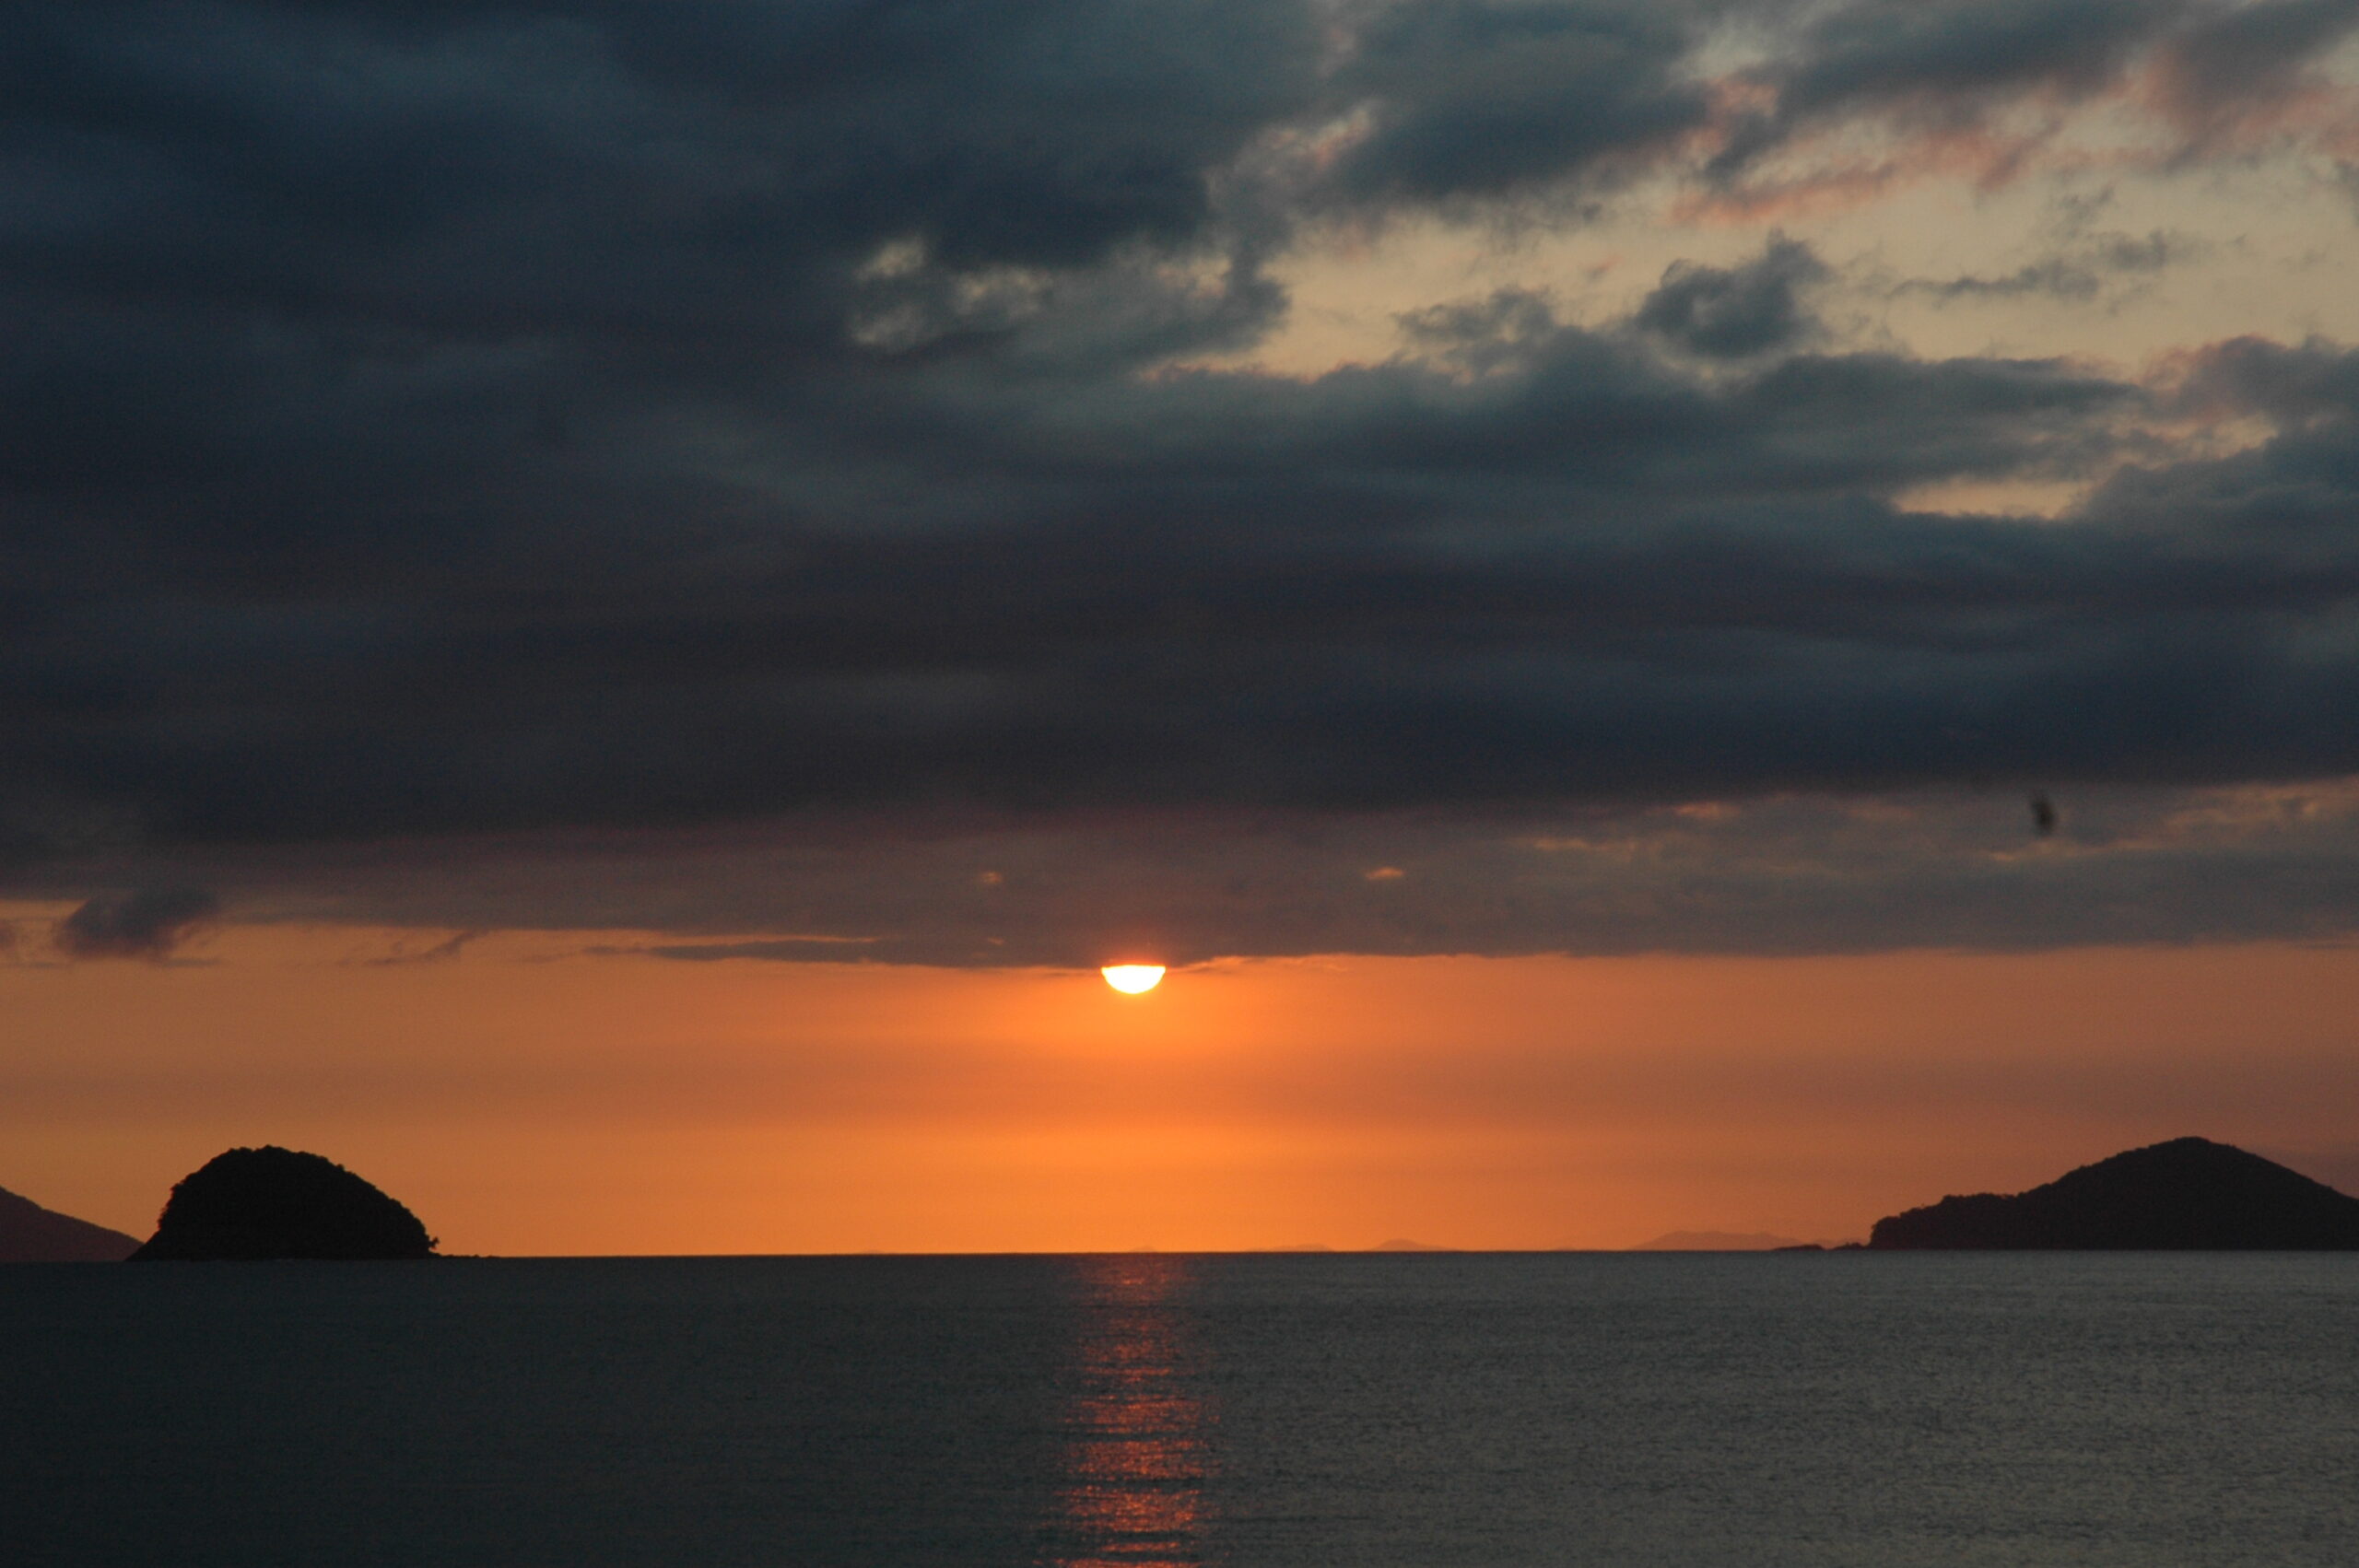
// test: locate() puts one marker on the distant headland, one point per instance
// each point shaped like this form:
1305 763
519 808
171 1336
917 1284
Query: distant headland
1721 1241
31 1234
253 1204
2188 1194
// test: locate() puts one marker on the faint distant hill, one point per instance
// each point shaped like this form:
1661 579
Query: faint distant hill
31 1234
1402 1244
251 1204
1716 1241
2187 1194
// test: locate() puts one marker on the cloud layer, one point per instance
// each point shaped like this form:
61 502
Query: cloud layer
434 420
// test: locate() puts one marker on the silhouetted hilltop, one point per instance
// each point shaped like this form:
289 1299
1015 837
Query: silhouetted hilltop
250 1204
2187 1194
31 1234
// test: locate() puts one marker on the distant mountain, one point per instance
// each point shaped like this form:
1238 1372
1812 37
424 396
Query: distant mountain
2187 1194
31 1234
251 1204
1717 1241
1400 1243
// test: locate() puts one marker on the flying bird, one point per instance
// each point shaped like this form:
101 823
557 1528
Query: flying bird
2043 813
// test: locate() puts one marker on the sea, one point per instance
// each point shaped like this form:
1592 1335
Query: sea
1165 1410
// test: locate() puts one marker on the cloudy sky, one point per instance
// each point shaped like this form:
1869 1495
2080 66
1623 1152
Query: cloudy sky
1492 498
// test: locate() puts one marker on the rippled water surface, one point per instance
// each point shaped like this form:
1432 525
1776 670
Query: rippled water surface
1187 1411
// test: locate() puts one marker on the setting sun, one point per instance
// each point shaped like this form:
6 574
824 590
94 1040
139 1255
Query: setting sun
1133 979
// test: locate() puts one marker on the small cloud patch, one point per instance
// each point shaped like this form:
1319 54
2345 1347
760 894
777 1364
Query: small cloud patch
1737 312
149 924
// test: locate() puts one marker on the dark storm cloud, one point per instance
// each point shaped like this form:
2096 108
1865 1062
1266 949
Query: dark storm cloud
437 418
684 170
1583 573
2309 386
1950 65
1477 98
1736 313
1940 60
1893 49
147 924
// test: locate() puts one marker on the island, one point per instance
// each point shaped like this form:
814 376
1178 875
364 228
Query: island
252 1204
2188 1194
31 1234
1723 1241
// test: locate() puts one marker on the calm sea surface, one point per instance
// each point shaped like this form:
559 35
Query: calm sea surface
1260 1411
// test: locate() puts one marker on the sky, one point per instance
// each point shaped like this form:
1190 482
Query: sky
1674 613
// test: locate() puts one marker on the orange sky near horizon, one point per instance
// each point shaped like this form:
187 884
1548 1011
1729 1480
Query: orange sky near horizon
533 1095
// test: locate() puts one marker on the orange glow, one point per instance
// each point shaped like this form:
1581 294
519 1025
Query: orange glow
1133 979
547 1093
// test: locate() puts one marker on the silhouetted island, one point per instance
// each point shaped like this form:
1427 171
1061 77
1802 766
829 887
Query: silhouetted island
2187 1194
251 1204
1719 1241
31 1234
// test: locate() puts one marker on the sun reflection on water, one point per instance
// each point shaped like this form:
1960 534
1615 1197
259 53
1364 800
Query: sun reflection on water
1135 1452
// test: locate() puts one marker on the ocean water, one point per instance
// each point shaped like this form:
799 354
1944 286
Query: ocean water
1353 1411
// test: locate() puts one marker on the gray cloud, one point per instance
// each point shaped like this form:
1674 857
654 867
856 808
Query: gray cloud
447 950
1950 65
2081 273
1477 98
429 420
149 924
2236 59
2050 276
1783 874
1289 612
1736 313
1888 49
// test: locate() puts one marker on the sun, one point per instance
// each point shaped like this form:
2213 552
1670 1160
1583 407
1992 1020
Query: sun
1133 979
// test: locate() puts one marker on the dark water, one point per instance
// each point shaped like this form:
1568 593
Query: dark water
1426 1410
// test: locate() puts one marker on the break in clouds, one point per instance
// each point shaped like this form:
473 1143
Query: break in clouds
464 462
